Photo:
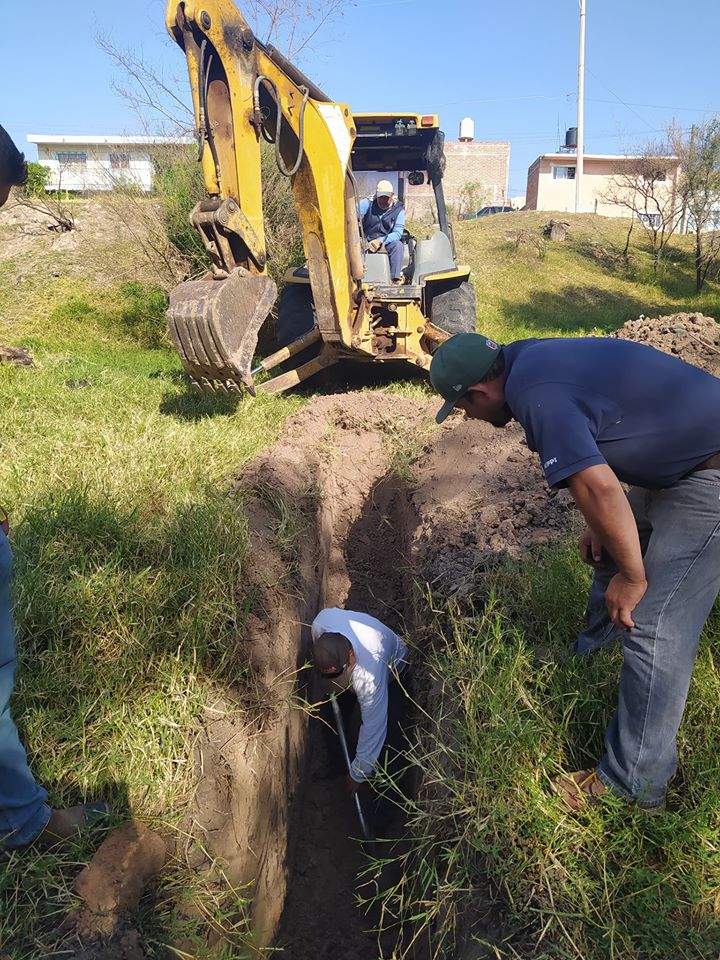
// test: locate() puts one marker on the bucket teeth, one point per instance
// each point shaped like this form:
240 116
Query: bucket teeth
214 325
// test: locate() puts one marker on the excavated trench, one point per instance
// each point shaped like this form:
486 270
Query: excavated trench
265 805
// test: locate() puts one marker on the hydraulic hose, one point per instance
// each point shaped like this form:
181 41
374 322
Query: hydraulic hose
278 124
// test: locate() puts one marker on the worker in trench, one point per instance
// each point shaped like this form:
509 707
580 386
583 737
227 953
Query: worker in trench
25 817
599 413
364 663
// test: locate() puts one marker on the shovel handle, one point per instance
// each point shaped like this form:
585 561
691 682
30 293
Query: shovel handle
343 743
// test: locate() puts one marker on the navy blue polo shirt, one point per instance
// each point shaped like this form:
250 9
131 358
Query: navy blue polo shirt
584 401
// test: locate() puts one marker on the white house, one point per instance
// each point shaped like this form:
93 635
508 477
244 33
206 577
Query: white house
99 163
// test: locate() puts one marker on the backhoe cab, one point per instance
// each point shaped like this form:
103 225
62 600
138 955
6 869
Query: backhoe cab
342 303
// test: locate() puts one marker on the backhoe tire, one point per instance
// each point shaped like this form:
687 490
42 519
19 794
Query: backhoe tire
454 310
295 316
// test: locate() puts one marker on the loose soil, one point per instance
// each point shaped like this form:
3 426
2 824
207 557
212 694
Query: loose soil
691 336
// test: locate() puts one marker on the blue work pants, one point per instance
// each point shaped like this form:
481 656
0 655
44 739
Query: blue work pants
679 530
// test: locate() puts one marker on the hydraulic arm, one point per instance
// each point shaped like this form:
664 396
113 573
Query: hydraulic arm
243 90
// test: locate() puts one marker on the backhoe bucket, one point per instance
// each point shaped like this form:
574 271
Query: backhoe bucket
214 325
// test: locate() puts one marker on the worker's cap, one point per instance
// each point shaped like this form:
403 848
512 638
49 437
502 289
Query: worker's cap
458 364
384 189
330 652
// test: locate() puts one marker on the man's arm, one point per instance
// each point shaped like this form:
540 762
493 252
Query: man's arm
398 227
373 730
602 501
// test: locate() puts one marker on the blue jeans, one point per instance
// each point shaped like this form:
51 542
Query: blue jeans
23 810
680 538
396 252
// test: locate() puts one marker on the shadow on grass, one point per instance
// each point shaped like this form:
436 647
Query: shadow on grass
126 620
575 310
340 379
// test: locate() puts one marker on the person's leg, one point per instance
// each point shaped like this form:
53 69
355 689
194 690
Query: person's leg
599 630
682 564
395 253
23 810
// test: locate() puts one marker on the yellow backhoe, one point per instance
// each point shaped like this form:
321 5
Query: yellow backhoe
342 303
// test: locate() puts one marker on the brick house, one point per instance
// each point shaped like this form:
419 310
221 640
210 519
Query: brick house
476 175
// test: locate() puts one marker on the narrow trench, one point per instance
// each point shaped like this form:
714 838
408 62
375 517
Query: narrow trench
321 919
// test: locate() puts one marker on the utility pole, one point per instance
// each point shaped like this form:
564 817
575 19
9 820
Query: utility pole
580 149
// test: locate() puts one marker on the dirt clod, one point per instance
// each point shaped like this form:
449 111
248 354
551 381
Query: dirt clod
18 356
113 882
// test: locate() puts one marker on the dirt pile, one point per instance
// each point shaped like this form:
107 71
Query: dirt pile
480 495
691 336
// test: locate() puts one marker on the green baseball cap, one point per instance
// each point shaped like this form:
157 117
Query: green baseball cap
458 364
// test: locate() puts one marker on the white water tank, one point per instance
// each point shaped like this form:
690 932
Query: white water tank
467 129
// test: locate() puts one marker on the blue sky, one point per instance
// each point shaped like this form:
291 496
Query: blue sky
511 66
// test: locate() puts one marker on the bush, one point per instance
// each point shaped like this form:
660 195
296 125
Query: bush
179 185
38 177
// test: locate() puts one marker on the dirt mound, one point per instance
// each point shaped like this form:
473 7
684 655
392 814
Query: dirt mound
480 494
691 336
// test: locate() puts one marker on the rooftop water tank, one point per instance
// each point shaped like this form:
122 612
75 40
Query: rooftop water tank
467 129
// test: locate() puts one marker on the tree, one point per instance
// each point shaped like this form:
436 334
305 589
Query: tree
38 177
49 204
472 197
699 190
646 187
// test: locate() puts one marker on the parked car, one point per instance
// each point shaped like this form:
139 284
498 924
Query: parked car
488 211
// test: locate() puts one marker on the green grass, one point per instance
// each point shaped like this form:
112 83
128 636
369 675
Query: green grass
129 551
495 860
541 288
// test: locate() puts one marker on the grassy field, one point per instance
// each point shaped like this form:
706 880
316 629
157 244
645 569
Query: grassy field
529 286
128 556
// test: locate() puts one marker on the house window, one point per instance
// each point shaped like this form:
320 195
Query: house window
119 161
653 221
563 173
71 159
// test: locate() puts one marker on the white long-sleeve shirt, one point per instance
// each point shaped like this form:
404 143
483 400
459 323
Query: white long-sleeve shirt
377 649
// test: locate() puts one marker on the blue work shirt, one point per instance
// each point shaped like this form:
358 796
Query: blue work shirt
585 401
398 227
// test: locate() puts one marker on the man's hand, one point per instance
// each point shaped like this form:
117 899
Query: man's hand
621 598
375 245
352 785
590 547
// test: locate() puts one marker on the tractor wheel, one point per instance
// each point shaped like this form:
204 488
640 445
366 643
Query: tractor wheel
454 310
295 316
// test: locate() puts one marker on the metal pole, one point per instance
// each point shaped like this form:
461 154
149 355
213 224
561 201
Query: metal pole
580 150
343 742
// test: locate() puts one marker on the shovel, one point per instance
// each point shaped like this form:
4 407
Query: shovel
367 835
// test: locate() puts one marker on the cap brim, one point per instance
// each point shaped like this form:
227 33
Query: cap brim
445 410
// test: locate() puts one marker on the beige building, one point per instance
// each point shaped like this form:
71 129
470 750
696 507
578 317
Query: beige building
551 183
476 175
